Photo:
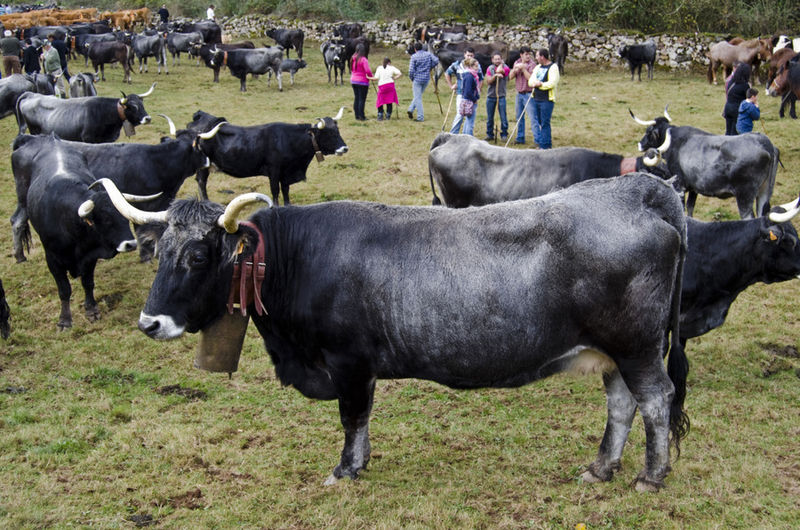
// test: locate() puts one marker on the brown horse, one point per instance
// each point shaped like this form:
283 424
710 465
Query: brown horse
724 53
787 85
779 58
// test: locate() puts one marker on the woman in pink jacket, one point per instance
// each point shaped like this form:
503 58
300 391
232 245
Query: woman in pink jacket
359 74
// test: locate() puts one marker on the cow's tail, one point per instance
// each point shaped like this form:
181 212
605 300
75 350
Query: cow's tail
773 171
439 140
21 123
677 363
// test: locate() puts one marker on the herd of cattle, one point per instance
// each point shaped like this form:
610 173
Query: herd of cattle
566 259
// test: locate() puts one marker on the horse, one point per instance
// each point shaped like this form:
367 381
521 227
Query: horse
724 53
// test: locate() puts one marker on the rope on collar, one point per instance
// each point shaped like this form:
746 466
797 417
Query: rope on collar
315 145
248 276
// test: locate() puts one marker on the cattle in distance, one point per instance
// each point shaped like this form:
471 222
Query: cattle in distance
394 292
93 120
145 46
288 38
290 66
470 172
281 151
14 85
82 85
742 166
639 55
182 42
206 52
558 48
333 55
241 62
103 53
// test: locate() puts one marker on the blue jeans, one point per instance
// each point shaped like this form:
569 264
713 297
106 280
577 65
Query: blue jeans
469 121
459 119
418 88
542 111
501 110
522 100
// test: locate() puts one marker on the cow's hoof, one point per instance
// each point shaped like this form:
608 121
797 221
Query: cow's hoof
64 325
645 485
93 315
590 478
20 259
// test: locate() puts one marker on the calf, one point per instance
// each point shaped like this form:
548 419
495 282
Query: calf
288 65
288 38
76 225
333 55
639 55
82 85
256 62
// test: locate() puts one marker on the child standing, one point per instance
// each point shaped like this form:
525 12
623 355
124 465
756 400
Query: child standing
748 111
386 74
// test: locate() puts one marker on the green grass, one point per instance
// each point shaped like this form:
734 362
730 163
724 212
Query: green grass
90 436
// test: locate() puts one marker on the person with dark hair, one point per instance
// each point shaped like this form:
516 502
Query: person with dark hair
419 71
748 112
521 73
496 78
61 48
543 80
385 75
360 73
163 14
30 58
735 94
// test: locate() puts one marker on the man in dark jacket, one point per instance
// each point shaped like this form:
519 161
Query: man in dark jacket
30 58
163 13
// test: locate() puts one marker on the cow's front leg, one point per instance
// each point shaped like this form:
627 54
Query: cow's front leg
89 303
621 410
64 292
355 406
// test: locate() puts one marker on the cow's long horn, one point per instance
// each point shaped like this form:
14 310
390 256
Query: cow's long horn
651 161
124 99
666 114
131 213
641 122
339 115
212 133
228 219
172 130
153 86
667 141
141 198
790 210
320 123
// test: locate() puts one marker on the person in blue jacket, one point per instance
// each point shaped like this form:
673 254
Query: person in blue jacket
748 112
470 91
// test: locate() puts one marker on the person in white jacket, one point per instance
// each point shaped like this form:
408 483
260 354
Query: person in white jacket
386 74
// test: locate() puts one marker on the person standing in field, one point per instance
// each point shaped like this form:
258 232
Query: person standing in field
12 50
386 75
360 73
496 79
748 112
543 80
520 73
419 71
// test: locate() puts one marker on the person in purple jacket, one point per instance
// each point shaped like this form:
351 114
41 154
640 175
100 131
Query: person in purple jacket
748 112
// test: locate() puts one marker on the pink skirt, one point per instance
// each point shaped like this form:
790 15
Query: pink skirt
386 95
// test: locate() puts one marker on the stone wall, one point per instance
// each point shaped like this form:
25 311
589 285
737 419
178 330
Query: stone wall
674 51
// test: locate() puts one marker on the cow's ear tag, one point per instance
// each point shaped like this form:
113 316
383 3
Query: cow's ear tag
772 236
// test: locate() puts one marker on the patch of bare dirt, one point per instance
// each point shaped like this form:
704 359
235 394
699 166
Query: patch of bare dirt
191 500
140 520
188 393
779 359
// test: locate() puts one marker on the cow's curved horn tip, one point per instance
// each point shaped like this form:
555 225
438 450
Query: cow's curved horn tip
331 481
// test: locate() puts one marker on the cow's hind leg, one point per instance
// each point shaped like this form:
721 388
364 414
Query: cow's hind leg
621 410
356 393
691 198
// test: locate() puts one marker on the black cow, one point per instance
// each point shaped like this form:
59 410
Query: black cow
145 46
726 258
13 86
348 31
81 43
102 53
281 151
638 55
288 65
256 62
205 52
137 168
470 172
182 42
82 85
5 314
485 48
350 48
210 30
76 225
742 166
92 120
497 296
559 48
333 55
288 38
428 33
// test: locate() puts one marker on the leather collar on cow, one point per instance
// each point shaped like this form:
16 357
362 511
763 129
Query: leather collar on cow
121 111
628 165
248 276
315 145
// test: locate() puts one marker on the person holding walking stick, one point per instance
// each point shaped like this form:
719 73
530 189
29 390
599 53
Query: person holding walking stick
496 79
386 74
419 71
520 73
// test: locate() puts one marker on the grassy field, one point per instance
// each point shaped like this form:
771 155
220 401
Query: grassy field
101 426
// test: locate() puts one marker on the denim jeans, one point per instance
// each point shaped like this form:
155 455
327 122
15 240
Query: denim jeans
522 101
459 119
469 121
542 111
501 110
416 103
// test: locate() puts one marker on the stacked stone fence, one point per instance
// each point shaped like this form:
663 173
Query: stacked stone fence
681 52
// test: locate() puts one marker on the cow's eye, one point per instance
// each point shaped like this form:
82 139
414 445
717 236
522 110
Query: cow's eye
197 259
